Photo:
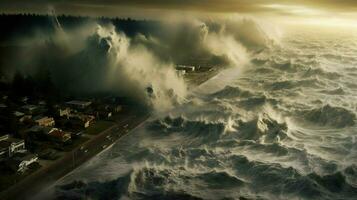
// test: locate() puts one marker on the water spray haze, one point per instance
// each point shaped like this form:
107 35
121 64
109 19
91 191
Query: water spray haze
98 58
139 72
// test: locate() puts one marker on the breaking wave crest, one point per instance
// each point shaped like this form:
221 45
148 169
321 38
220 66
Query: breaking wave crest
284 128
330 116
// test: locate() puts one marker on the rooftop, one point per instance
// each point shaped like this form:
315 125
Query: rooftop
29 107
79 103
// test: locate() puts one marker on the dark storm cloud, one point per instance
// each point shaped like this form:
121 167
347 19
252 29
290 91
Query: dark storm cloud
115 7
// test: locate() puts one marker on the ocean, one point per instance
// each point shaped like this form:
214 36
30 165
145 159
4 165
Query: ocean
281 126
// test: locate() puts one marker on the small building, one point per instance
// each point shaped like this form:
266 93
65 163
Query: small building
64 112
30 109
25 118
103 114
20 161
180 73
82 120
18 114
10 146
38 133
79 104
22 117
44 121
57 135
106 111
187 68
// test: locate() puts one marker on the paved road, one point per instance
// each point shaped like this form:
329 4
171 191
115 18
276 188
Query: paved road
46 176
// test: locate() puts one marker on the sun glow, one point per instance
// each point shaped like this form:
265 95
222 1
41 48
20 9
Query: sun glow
293 9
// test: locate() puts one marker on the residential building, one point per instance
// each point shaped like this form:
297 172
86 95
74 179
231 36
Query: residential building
79 104
187 68
10 146
30 109
64 112
57 135
82 120
25 118
18 114
44 121
180 73
21 161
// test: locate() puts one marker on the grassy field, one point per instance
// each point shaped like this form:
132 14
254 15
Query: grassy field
98 127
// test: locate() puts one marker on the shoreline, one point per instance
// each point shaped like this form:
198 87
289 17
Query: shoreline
34 183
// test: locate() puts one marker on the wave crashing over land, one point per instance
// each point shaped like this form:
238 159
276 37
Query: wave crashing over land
284 128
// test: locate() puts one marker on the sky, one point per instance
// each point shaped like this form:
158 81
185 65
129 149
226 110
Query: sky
309 11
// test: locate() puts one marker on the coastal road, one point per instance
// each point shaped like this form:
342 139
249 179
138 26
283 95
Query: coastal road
45 176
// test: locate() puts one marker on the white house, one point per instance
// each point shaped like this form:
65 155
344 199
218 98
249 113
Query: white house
9 146
20 162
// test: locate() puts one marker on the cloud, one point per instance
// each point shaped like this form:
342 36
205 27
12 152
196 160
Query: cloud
152 7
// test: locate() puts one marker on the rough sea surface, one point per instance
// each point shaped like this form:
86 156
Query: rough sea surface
281 127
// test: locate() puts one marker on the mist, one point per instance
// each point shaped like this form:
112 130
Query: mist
98 57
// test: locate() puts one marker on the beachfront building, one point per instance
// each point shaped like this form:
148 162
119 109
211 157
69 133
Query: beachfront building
79 104
82 120
186 68
180 73
10 146
20 161
44 121
57 135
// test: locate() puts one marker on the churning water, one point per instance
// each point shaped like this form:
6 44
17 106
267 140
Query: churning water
281 127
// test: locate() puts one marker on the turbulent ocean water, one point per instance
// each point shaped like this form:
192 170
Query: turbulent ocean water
282 126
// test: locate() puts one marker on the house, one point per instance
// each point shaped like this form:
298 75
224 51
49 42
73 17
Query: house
10 146
82 120
103 114
22 117
106 111
20 161
30 109
44 121
64 112
187 68
49 133
57 135
25 118
180 73
79 104
18 114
